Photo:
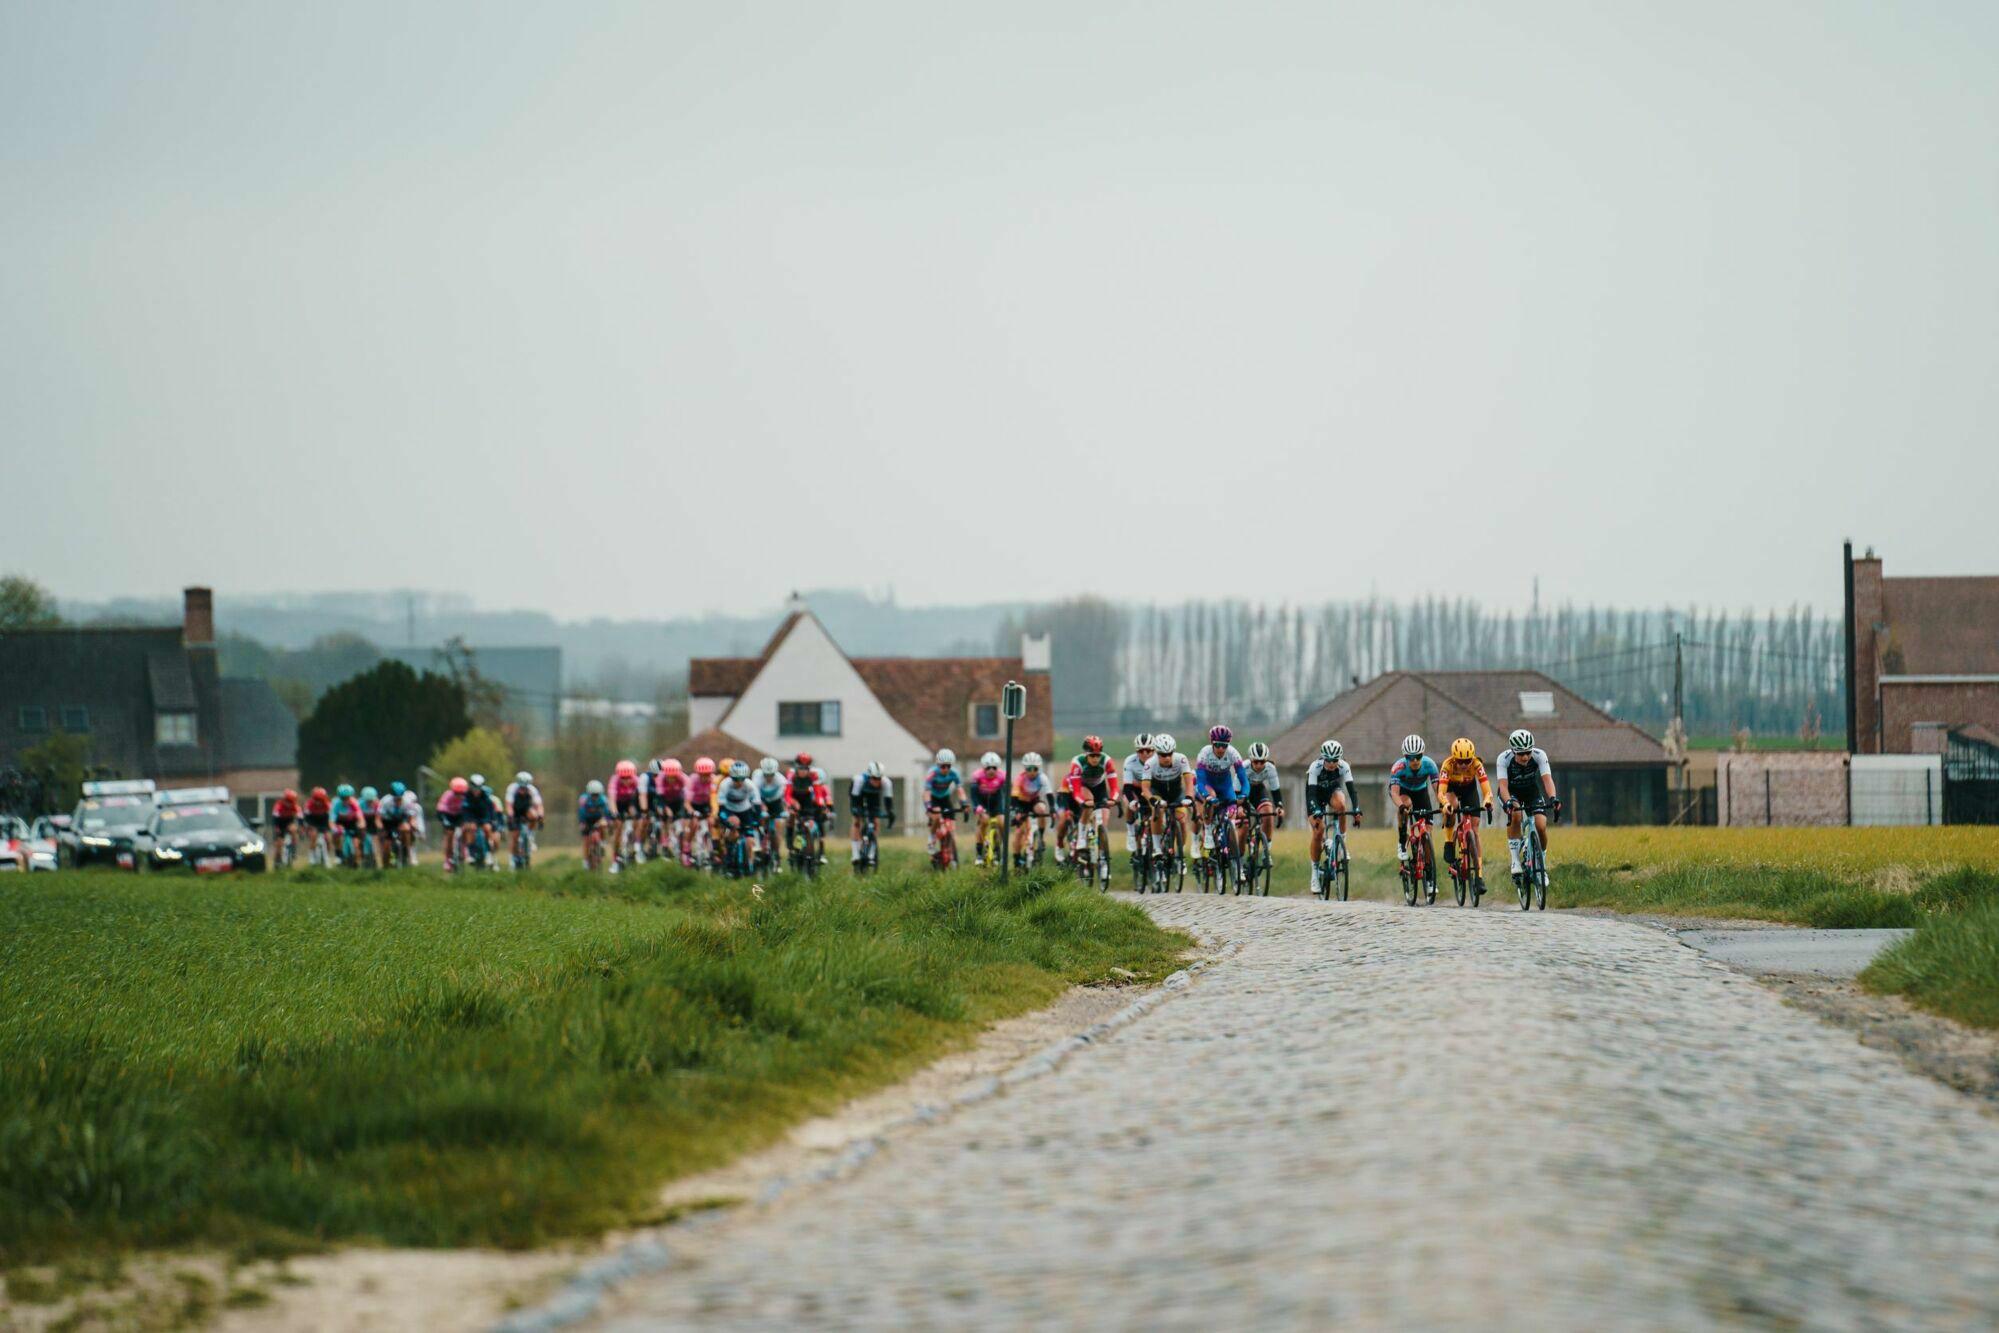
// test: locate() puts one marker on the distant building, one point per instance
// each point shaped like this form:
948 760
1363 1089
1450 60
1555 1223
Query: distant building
1606 771
803 693
531 677
150 702
1923 658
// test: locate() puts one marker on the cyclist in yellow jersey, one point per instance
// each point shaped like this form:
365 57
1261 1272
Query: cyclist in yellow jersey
1465 784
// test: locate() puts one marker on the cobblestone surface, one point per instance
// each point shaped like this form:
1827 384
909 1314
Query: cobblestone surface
1403 1117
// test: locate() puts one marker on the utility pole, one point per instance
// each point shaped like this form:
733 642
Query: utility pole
1013 705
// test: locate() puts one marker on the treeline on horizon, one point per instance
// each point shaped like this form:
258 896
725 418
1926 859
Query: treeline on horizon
1120 666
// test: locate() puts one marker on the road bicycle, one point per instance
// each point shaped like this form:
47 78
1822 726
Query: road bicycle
524 845
479 845
871 845
1037 839
1169 861
944 829
739 833
1220 867
1334 863
991 841
1466 860
319 848
284 849
807 837
593 845
1419 872
1256 857
1532 881
1092 862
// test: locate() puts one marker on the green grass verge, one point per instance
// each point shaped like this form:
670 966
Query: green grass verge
1951 964
276 1062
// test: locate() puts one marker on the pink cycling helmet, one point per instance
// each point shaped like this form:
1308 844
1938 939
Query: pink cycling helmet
670 766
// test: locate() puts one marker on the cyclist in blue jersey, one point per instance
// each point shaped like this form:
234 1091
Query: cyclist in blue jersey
1412 785
943 788
1220 779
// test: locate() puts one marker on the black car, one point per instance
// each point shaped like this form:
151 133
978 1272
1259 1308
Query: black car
104 828
205 837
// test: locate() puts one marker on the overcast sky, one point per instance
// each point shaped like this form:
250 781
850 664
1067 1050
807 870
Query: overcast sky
641 309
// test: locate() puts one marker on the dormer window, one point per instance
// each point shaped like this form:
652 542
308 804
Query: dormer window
173 729
1537 703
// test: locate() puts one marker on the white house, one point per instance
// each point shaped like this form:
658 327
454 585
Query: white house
802 693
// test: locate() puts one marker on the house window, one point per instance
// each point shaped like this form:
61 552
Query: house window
173 729
75 719
1537 703
985 721
818 718
34 717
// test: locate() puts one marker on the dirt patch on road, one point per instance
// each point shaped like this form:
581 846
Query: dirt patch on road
1965 1058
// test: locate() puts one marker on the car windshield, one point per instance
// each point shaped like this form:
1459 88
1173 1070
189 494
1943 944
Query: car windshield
113 812
11 827
199 819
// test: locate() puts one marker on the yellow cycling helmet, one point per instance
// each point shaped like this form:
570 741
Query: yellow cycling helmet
1463 750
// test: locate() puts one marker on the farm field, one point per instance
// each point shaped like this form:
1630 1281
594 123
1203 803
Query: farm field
275 1062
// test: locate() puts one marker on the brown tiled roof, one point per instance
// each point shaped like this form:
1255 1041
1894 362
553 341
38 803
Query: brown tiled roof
934 697
716 744
1371 720
727 676
1943 626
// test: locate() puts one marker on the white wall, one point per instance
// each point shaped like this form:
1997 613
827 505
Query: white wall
1897 789
706 711
808 666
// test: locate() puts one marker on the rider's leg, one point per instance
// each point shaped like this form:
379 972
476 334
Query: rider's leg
1401 827
854 838
1513 839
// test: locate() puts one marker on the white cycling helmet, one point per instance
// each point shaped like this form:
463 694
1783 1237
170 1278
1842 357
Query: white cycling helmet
989 760
594 787
874 768
1258 750
524 777
478 779
769 765
740 771
1331 752
1163 743
945 756
1142 741
1030 760
1412 745
1521 740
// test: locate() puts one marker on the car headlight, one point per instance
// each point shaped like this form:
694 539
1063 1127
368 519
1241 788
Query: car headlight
89 841
251 848
166 853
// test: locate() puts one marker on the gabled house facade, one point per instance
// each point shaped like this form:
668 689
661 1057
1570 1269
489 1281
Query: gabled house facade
804 693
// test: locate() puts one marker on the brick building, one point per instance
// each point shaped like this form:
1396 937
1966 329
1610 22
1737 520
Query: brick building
1922 659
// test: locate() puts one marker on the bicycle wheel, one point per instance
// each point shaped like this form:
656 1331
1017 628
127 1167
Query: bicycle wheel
1523 884
1540 877
1341 870
1409 883
1459 883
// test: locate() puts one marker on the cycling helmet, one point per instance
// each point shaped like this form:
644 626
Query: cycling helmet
1163 743
1219 735
768 766
1462 749
1142 741
704 765
1331 752
1412 745
478 779
945 758
804 759
725 765
652 768
989 760
1259 750
740 771
1521 740
524 777
460 785
873 770
319 793
1093 745
346 790
593 788
670 766
290 795
397 788
1030 761
369 794
627 769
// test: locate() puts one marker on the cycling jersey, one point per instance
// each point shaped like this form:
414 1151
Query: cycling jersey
413 811
1029 787
807 787
770 790
941 784
1165 772
1464 773
592 809
1522 775
623 791
987 788
481 806
738 798
1328 778
391 811
1263 783
701 793
284 812
523 799
1221 777
450 805
1413 778
347 810
1133 773
1100 781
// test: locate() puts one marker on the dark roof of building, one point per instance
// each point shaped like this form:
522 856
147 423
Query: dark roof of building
1940 626
258 730
716 744
1371 720
726 677
121 678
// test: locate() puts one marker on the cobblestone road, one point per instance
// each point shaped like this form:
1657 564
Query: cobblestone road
1412 1118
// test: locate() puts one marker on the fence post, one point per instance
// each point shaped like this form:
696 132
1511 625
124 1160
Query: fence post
1929 800
1766 797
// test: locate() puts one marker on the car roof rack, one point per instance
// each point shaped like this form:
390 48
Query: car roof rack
120 787
192 796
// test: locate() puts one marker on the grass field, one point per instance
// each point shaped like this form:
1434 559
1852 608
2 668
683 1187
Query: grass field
270 1063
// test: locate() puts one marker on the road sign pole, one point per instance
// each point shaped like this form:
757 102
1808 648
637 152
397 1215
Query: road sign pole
1013 705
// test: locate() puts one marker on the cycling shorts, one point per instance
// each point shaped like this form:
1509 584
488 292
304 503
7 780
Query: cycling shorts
1465 794
1259 795
628 806
283 823
1099 795
989 802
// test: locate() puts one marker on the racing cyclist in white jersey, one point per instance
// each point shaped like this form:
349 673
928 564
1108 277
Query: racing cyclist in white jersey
1329 791
1527 783
1167 785
1131 794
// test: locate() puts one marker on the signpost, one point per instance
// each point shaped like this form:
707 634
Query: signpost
1013 706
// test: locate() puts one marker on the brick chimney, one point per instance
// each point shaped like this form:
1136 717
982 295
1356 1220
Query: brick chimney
197 624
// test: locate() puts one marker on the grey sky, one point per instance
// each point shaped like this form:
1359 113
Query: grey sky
998 300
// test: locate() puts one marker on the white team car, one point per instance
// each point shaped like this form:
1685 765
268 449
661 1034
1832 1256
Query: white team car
43 845
13 844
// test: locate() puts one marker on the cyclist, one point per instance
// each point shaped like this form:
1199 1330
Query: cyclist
451 817
1329 790
809 799
986 791
284 819
1465 787
1165 785
770 790
482 816
347 818
371 824
393 817
871 797
593 812
1266 793
669 800
1131 789
1526 786
1412 785
1219 782
739 809
943 790
1091 786
628 803
523 807
412 825
318 815
1031 790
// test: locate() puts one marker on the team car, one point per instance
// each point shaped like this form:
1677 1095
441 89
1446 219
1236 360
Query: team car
198 829
108 819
